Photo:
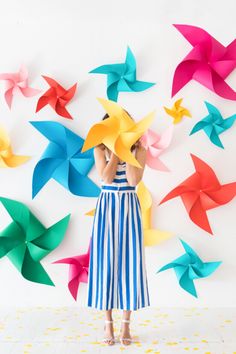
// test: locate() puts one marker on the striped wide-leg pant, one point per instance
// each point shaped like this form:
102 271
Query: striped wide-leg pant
117 275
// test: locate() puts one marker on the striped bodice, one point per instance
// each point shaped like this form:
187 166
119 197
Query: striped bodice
120 179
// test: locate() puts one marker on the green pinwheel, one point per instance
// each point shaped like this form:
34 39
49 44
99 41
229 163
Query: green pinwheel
25 241
121 77
189 267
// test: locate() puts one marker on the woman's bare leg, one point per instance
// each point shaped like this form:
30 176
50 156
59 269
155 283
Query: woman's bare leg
109 331
125 330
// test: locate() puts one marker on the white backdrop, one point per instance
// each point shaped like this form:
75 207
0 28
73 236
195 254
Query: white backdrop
65 40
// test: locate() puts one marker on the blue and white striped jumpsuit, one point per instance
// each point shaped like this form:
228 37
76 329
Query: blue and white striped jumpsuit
117 274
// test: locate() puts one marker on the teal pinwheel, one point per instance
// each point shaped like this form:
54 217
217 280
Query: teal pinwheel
189 267
25 241
214 124
121 77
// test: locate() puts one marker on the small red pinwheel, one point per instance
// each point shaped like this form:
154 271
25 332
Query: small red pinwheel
57 97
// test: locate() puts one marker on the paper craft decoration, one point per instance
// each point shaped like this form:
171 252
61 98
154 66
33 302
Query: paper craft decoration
63 161
57 97
214 124
177 112
7 157
151 236
208 63
118 132
122 77
155 145
25 241
17 82
189 267
202 191
78 271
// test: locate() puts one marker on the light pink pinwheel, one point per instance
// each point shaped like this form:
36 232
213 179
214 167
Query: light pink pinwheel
17 82
155 145
78 271
209 62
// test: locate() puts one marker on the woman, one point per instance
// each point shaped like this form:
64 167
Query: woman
117 274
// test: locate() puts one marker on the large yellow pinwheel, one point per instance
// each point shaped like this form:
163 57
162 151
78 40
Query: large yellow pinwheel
118 132
151 236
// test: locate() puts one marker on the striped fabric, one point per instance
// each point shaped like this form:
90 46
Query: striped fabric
117 275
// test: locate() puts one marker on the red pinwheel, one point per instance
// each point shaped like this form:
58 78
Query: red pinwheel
78 271
202 191
57 97
209 62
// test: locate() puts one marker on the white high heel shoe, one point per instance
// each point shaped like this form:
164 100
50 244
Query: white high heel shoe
122 339
111 339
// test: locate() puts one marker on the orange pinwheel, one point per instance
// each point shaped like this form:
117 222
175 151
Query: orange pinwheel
201 192
57 97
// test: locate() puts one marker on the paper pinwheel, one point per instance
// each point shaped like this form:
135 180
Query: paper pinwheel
177 111
25 241
208 63
122 77
155 145
7 158
57 97
78 271
201 192
17 82
214 124
189 267
63 161
118 132
151 236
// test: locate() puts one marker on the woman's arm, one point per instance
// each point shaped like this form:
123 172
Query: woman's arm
106 170
134 174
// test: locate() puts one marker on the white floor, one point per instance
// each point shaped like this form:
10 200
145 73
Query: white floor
66 330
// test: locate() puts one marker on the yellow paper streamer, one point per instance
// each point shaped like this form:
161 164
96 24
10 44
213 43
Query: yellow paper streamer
151 236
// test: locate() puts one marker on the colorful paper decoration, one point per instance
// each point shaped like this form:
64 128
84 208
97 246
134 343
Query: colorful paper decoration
7 157
177 112
78 271
201 192
151 236
63 161
25 241
122 77
214 124
155 145
57 97
208 63
17 82
118 132
189 267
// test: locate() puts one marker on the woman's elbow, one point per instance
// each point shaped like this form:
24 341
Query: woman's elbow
133 181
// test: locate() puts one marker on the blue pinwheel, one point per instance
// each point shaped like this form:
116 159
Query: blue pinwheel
214 124
122 77
189 267
63 161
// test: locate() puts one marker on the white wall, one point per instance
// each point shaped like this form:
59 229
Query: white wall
65 40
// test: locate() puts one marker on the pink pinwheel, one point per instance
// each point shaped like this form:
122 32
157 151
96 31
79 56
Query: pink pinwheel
17 82
209 62
78 271
155 145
